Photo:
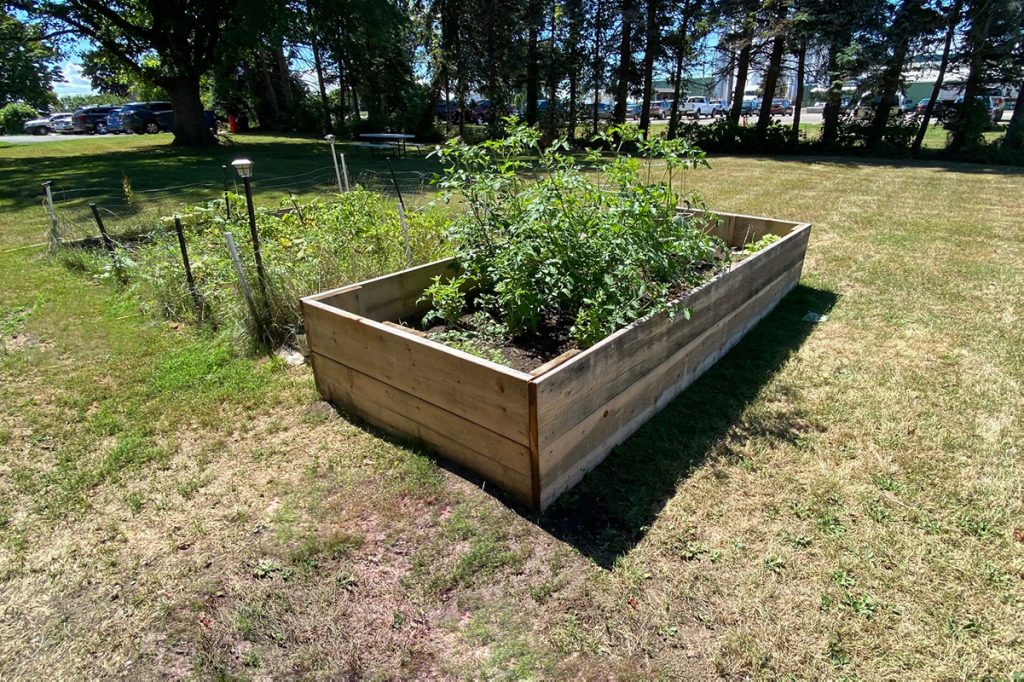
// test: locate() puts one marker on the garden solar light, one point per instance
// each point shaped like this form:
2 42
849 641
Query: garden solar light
329 138
243 166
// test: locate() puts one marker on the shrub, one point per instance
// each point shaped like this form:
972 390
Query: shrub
13 117
595 251
324 244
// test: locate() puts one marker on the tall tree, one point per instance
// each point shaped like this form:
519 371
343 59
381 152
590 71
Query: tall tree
184 35
951 24
911 19
652 48
27 64
777 28
628 18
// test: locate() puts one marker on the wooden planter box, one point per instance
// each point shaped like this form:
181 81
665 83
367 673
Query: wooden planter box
536 434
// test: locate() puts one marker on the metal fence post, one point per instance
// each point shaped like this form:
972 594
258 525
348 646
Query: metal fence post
405 235
188 268
242 279
108 243
344 171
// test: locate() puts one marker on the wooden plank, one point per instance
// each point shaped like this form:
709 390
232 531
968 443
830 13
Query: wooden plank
555 362
579 386
486 393
391 297
404 329
494 457
565 461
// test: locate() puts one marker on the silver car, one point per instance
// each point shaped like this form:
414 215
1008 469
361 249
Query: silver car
56 123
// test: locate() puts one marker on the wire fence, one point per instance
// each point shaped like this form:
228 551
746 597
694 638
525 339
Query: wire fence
130 213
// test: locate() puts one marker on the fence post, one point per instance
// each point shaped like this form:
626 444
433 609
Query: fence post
108 243
405 235
344 171
243 280
227 202
188 268
334 157
52 213
394 180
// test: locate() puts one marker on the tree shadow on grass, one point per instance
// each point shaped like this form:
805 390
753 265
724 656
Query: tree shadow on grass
608 513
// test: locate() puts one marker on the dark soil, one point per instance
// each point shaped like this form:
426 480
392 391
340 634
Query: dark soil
529 351
526 352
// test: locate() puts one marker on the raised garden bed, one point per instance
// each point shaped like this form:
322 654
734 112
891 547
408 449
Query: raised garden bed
536 434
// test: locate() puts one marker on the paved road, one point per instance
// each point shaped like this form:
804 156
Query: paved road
33 139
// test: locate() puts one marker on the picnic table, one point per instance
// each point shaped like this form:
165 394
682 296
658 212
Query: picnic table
397 139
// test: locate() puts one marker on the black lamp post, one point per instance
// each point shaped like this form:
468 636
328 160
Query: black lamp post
244 168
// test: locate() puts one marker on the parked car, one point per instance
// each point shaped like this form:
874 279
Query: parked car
91 120
604 111
749 106
62 124
146 117
941 111
449 111
719 108
993 106
661 109
114 122
44 125
633 110
782 107
698 107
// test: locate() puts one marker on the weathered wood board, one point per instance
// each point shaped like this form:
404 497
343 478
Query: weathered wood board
536 435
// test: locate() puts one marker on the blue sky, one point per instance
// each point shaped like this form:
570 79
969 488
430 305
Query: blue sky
73 83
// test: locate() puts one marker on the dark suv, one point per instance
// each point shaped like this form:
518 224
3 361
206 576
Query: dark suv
91 119
147 117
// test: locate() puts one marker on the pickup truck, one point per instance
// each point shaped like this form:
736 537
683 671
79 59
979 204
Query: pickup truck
698 107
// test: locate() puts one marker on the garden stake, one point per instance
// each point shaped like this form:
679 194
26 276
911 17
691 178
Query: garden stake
395 181
227 202
344 171
261 275
188 268
405 235
54 229
243 281
108 243
334 157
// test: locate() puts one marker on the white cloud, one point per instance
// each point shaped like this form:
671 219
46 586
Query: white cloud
74 83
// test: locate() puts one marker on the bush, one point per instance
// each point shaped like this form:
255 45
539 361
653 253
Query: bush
591 251
322 245
13 117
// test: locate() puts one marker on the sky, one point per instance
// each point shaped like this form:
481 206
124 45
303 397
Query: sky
74 83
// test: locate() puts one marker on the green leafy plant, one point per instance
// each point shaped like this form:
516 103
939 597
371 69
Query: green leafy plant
548 241
762 243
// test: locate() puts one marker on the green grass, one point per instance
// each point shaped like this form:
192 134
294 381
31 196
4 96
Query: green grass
831 500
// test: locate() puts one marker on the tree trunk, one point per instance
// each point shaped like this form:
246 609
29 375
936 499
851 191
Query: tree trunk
625 61
650 51
190 129
598 61
954 20
771 81
1015 131
965 129
893 72
677 85
532 62
801 68
833 98
284 77
324 102
742 67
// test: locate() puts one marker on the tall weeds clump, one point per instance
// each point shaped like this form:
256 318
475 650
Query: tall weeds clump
323 244
548 241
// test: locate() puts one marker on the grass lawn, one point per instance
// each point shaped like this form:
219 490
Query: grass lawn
832 500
